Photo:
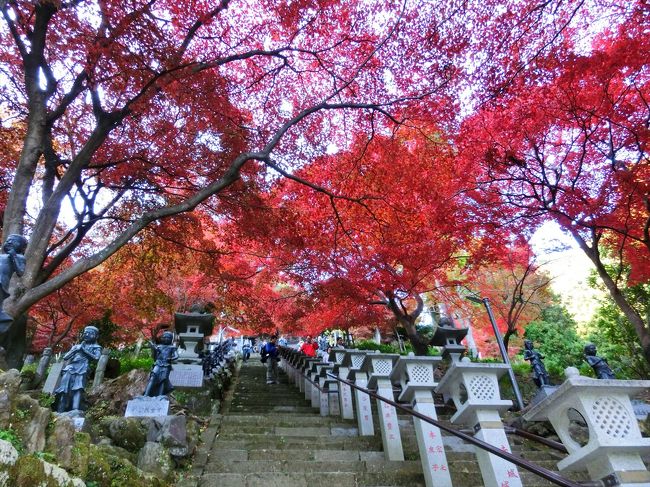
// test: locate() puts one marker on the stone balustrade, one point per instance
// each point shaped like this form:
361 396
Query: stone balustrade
611 455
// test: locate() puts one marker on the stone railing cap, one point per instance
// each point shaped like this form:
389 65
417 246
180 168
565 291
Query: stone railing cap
575 384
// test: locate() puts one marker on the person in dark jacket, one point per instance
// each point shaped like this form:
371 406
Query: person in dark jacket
272 359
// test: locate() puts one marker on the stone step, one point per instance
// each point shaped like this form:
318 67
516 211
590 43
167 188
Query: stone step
314 479
244 418
217 465
254 442
272 409
285 428
298 454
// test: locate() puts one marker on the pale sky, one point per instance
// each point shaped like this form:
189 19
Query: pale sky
570 269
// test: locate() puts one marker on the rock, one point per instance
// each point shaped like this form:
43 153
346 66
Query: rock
127 433
10 381
61 476
5 408
108 470
32 471
154 458
30 422
58 442
168 430
111 396
8 454
116 451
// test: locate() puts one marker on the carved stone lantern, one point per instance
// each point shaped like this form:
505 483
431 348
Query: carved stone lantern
474 389
612 452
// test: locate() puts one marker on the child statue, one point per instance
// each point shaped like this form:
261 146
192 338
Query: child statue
11 261
599 364
163 356
540 375
69 394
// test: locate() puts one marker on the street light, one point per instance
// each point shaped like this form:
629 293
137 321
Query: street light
502 348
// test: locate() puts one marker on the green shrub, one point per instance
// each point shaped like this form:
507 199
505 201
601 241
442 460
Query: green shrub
370 345
11 436
393 348
130 363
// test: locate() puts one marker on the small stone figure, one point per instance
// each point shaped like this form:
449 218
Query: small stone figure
69 394
540 375
12 261
599 364
163 356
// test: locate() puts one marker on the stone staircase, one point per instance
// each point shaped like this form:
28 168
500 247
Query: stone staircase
270 436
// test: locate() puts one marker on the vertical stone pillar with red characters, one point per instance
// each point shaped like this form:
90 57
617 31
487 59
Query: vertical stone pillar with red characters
378 366
345 391
415 375
354 360
474 388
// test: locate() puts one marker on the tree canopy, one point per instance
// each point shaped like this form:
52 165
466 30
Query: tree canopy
314 163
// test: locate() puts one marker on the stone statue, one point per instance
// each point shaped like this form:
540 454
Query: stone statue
75 374
11 261
163 356
540 375
599 364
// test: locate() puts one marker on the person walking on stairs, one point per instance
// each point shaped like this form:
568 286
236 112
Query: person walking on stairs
272 358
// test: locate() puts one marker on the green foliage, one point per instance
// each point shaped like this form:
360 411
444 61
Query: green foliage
11 436
392 348
107 329
554 336
614 336
181 397
130 363
46 456
371 345
617 341
29 368
46 400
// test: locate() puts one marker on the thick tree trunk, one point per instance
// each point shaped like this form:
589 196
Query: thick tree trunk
420 346
407 320
14 342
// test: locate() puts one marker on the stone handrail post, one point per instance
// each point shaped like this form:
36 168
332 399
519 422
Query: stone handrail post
417 380
379 366
474 389
354 360
345 391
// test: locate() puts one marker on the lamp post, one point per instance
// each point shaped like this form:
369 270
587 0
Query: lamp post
502 348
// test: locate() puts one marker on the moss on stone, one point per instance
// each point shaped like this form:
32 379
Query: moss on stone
127 433
99 468
29 470
106 469
80 455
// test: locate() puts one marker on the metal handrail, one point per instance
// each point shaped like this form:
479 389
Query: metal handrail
555 445
536 469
